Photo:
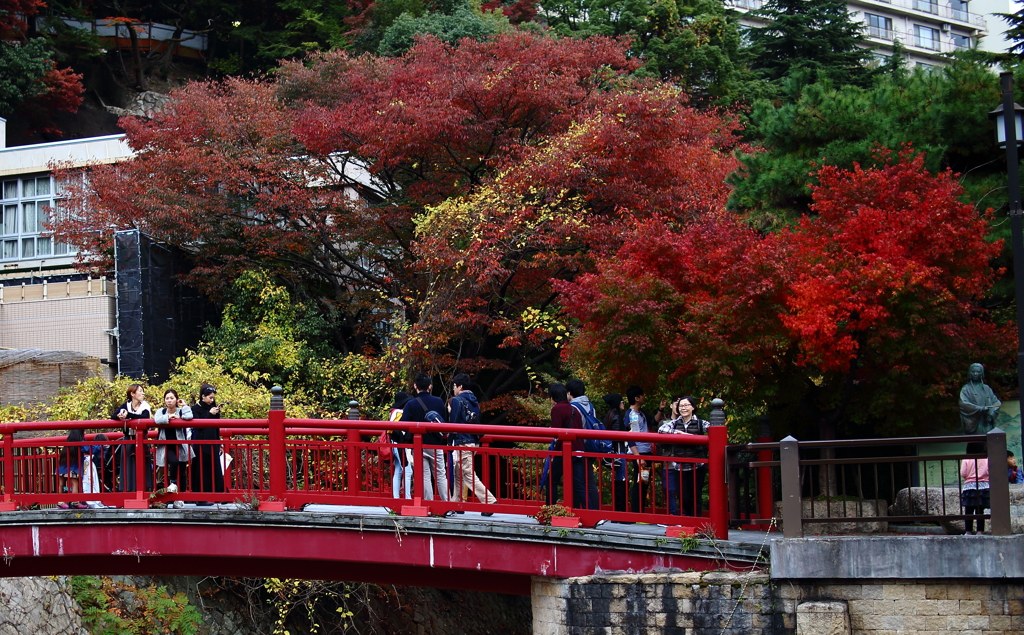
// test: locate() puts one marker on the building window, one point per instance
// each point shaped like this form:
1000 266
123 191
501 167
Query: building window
961 42
926 37
879 26
23 212
926 6
960 12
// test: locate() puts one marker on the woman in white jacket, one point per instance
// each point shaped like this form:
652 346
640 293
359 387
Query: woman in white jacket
172 458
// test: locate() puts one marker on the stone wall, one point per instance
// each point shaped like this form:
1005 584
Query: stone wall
884 607
726 603
41 606
722 603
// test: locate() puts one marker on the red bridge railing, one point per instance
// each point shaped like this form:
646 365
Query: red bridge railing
295 462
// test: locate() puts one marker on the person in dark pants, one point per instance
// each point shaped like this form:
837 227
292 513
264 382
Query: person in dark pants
133 409
639 421
434 469
615 421
207 473
565 416
685 479
577 393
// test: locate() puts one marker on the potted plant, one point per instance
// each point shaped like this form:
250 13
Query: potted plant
556 516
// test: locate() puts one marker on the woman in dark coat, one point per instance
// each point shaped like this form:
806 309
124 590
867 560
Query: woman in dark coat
133 409
207 475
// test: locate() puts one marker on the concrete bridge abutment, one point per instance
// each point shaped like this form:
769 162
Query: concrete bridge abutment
824 586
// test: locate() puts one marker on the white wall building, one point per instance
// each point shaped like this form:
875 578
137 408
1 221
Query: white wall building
927 29
44 302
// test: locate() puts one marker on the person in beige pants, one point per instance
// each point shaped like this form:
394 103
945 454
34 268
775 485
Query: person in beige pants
466 409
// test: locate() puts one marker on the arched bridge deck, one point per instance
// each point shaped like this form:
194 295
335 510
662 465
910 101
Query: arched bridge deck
462 552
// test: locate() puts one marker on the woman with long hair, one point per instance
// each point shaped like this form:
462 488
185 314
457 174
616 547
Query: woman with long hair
172 458
133 409
207 475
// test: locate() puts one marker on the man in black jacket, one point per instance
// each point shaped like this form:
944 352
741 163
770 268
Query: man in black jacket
416 409
465 409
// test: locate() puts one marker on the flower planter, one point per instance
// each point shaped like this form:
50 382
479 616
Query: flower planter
679 531
271 506
565 521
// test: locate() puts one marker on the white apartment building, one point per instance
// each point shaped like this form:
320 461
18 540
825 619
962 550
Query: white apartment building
44 302
927 29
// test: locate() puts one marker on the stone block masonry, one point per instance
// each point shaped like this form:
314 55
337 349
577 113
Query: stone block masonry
728 603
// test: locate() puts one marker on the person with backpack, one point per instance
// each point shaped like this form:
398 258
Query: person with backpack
564 415
578 400
426 408
466 409
639 422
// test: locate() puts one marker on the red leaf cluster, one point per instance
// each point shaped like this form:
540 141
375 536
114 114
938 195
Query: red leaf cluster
541 149
13 14
879 295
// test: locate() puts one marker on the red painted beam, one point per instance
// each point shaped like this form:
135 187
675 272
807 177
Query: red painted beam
438 560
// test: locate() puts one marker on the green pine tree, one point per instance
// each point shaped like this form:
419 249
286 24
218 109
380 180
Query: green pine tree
819 37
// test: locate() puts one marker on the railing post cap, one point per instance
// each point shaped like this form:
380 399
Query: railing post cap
789 438
717 403
353 403
996 431
277 391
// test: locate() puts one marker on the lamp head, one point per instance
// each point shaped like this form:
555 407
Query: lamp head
998 116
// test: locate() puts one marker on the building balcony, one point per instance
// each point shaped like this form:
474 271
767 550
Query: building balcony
934 11
914 42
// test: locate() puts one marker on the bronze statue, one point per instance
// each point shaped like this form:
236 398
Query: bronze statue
978 404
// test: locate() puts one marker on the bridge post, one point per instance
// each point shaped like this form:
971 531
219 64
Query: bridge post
566 474
417 468
276 438
718 495
8 466
141 436
792 506
355 455
765 495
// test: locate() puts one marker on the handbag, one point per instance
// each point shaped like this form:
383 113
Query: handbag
384 447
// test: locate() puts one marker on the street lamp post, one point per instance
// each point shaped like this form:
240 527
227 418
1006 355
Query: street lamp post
1009 133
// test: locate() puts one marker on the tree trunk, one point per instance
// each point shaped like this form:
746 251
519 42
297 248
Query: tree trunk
140 77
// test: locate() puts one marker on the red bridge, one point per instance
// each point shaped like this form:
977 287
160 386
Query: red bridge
313 499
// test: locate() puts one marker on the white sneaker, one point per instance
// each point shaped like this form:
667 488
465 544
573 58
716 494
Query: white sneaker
172 488
179 504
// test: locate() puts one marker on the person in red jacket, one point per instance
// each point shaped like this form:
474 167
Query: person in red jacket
565 416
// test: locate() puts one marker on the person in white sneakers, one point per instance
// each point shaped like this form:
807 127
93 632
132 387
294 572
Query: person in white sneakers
172 458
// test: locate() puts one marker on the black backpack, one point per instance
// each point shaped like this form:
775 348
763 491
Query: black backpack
470 413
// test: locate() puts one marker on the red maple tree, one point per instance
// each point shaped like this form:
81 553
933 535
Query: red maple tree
869 312
555 133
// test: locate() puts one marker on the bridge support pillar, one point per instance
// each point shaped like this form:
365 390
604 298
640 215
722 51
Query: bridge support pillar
648 603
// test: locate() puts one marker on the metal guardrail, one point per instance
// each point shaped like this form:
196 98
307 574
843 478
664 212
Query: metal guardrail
816 486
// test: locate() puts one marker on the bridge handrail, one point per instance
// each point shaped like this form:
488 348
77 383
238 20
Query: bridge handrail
237 426
275 457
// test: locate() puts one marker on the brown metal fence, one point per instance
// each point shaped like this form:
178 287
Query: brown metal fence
853 485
